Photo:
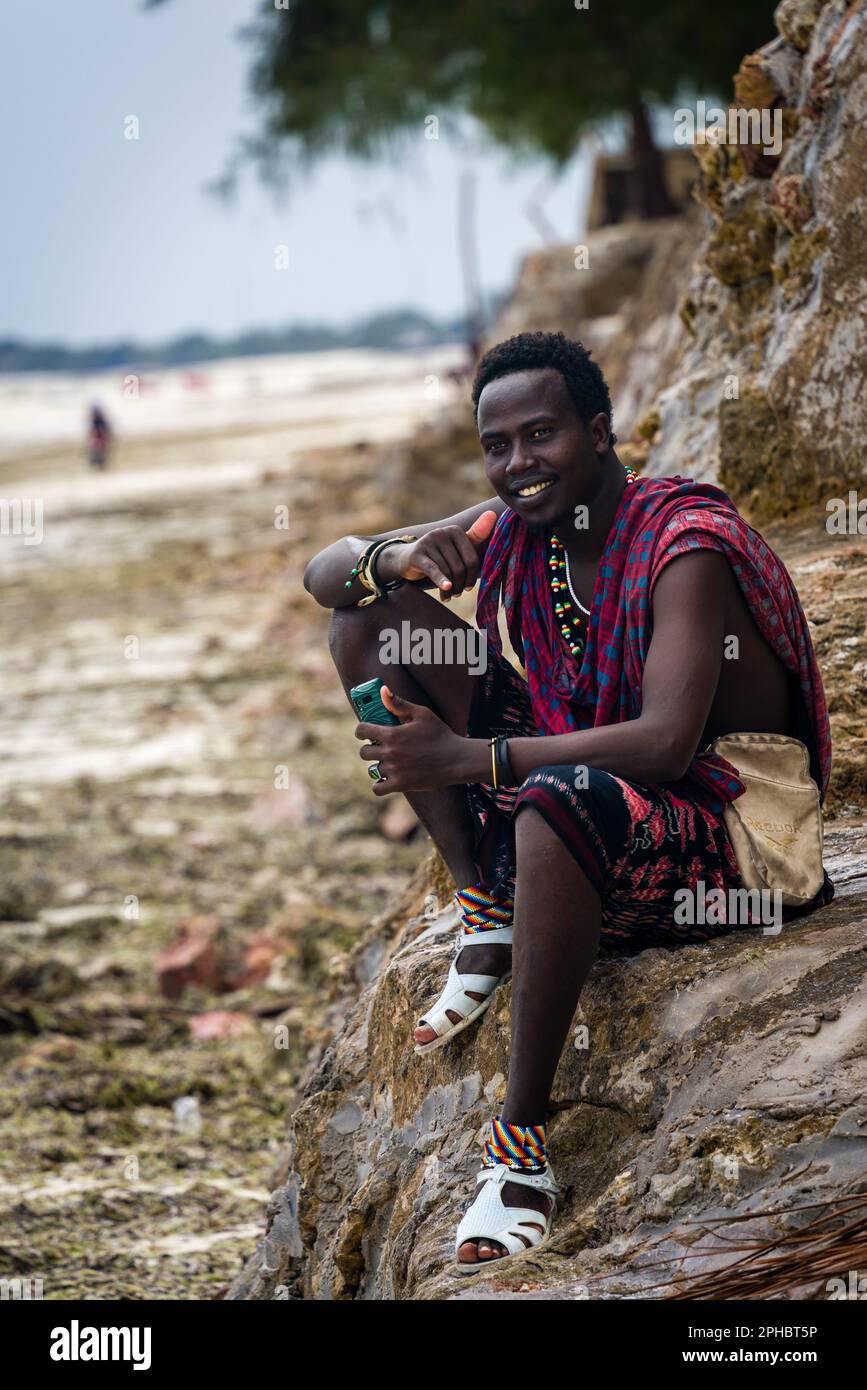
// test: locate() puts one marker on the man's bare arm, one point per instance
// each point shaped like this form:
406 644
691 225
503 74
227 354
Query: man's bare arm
326 574
681 675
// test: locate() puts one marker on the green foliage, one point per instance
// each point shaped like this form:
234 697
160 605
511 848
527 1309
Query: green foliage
351 75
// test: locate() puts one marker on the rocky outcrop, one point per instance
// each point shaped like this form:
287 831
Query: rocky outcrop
765 394
618 293
706 1083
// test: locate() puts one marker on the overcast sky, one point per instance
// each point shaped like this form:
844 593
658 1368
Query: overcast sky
103 237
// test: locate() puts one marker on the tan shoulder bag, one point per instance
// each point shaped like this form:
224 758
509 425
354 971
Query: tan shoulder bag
776 826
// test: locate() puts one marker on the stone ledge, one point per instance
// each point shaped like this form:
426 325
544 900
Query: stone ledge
719 1078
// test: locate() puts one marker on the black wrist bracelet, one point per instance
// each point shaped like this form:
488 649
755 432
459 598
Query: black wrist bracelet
505 775
374 572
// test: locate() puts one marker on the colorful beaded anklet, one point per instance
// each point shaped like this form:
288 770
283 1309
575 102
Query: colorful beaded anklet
522 1147
481 911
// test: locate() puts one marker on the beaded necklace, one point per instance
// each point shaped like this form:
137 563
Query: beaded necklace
561 583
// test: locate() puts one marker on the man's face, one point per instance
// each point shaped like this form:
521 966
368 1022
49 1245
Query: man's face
539 456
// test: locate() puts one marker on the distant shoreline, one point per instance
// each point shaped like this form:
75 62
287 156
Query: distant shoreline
339 397
395 331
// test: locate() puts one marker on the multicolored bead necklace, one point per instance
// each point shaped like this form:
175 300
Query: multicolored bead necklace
561 588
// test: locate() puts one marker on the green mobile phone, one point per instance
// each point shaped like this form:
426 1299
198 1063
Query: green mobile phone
370 710
368 703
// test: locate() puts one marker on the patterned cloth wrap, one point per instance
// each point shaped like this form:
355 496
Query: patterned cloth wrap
637 844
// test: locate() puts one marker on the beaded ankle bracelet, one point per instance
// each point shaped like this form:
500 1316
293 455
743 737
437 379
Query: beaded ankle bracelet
522 1147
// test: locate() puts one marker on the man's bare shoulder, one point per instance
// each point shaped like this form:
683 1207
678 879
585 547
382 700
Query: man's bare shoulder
691 579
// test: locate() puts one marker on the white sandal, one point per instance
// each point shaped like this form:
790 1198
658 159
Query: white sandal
456 993
489 1219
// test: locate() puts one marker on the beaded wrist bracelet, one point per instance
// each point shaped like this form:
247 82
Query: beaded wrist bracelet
364 569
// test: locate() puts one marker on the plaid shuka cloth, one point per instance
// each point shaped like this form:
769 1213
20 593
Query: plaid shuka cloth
657 519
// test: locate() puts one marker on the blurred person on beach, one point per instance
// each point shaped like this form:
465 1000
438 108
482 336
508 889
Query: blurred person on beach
98 437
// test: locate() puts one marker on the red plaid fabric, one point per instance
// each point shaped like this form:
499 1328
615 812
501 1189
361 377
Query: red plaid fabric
657 519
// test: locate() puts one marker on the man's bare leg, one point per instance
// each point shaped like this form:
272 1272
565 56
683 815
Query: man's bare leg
557 912
355 639
556 937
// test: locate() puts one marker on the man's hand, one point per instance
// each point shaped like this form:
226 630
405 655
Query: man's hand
448 556
416 755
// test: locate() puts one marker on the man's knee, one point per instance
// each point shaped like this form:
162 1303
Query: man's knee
350 633
531 827
354 631
539 850
588 783
586 792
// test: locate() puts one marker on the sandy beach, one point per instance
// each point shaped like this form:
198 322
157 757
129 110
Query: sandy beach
163 669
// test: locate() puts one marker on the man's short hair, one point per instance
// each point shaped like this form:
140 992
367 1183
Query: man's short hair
526 351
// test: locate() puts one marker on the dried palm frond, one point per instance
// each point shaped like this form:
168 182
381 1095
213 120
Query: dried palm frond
768 1266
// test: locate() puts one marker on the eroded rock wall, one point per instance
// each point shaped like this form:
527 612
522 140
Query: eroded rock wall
766 393
622 303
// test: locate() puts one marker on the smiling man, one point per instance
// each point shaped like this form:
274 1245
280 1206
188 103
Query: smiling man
572 803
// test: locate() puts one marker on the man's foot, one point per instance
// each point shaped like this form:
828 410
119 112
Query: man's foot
481 959
514 1195
514 1208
